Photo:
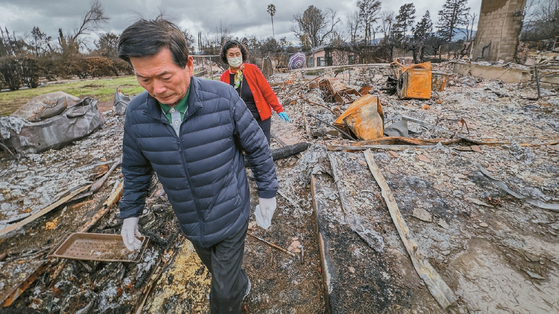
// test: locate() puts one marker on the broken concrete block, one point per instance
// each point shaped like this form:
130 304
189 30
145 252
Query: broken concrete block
294 247
422 214
443 224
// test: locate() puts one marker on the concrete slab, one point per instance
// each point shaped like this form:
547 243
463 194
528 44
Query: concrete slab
507 75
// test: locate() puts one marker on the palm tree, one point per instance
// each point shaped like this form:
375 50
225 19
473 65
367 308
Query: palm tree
272 12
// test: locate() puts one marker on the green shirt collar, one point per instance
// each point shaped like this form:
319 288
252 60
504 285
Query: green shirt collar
180 107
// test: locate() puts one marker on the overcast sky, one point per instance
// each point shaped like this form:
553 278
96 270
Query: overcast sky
241 17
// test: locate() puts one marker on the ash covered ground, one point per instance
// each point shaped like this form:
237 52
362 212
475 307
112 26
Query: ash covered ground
496 252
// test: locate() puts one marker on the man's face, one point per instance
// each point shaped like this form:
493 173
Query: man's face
162 78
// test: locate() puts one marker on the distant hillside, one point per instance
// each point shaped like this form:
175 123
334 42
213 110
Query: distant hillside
458 35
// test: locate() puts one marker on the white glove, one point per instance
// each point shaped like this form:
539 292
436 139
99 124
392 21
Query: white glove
130 234
264 212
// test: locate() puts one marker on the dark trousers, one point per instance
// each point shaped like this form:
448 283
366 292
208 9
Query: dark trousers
229 281
265 126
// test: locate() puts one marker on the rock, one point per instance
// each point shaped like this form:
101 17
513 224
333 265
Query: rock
294 247
476 148
443 224
534 275
423 158
393 154
422 214
21 168
483 224
477 202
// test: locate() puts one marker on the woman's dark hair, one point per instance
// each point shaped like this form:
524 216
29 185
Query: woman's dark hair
233 44
146 38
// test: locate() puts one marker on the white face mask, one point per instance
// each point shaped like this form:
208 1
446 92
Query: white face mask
235 62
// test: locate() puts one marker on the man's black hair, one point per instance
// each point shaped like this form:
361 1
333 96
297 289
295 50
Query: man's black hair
146 38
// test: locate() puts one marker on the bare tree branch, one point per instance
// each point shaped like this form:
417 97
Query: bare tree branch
91 20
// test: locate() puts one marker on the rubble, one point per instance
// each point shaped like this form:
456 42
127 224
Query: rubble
338 91
333 244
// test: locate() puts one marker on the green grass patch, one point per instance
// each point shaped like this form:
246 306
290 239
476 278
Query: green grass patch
101 89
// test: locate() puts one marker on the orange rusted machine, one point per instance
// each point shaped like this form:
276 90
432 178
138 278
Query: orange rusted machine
364 118
414 81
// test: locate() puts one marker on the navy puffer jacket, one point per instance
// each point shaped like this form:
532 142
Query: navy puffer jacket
202 170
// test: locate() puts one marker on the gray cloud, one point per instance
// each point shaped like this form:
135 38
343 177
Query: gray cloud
241 17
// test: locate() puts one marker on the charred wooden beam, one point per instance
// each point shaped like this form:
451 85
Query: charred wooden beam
290 150
436 285
284 152
10 230
271 244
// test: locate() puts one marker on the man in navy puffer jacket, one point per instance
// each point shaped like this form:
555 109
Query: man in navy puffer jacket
192 133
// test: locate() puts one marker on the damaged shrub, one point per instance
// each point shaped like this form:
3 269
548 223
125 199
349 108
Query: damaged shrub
122 67
31 70
94 67
12 72
15 72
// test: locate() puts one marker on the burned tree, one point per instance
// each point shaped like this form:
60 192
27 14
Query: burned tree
10 46
368 15
189 40
421 33
453 15
541 24
404 23
212 42
107 45
353 24
91 20
388 42
39 42
316 24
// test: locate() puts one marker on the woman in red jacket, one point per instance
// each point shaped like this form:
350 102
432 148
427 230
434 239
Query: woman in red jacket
251 85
